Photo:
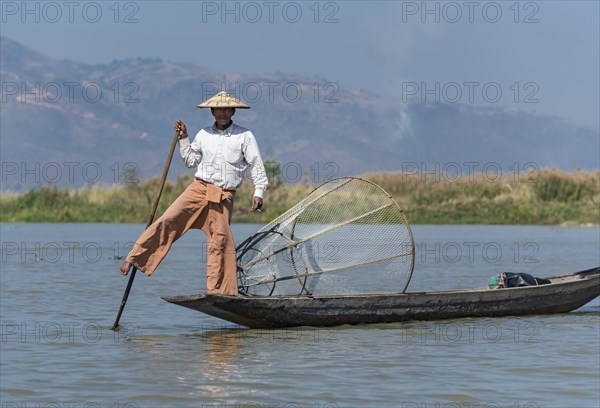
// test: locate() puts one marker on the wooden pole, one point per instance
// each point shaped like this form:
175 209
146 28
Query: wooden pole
150 221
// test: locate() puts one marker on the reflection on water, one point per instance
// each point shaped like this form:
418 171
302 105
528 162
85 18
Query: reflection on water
223 347
206 362
210 378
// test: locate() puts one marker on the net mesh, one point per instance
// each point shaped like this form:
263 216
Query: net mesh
348 236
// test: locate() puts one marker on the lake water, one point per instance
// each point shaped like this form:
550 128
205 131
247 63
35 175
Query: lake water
60 292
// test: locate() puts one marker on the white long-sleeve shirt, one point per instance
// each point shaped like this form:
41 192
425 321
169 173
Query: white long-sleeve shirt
222 157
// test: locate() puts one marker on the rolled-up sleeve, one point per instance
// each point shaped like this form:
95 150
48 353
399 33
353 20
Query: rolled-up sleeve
257 168
190 152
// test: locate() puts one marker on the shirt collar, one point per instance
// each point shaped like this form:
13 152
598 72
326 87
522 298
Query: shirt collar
228 131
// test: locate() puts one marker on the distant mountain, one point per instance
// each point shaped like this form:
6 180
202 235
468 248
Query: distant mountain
77 123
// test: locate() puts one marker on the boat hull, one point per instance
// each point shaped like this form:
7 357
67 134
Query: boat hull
564 294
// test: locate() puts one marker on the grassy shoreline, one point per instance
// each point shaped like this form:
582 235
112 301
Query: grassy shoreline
548 197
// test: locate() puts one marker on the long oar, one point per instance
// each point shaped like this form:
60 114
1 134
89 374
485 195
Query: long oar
150 221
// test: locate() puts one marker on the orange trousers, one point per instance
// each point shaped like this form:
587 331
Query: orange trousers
201 206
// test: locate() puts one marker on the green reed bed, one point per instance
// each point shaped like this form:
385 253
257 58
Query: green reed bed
548 197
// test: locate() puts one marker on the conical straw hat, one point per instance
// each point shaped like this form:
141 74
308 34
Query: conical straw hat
223 100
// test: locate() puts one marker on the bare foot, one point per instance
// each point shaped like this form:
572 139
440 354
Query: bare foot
125 267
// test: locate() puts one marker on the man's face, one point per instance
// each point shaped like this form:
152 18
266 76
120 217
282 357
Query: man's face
222 115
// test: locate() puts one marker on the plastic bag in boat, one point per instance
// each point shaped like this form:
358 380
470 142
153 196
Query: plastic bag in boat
513 280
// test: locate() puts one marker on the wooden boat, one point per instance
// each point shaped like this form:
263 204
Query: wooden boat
564 294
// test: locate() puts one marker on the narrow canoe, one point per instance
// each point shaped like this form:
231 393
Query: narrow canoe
565 293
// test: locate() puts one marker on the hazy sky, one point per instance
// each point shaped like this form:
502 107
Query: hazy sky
540 56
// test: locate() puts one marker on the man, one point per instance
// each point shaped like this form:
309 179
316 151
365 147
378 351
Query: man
221 153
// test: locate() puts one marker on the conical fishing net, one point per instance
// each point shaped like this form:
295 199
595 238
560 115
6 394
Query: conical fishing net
346 237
